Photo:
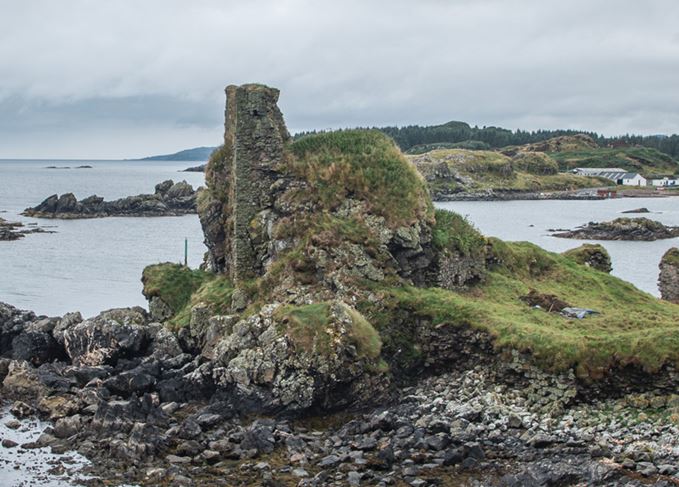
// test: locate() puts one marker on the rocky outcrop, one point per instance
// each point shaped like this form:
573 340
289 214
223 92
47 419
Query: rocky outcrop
200 168
668 282
591 255
15 230
637 210
157 414
169 199
622 229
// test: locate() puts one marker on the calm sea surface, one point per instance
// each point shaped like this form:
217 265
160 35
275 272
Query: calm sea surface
95 264
636 262
92 264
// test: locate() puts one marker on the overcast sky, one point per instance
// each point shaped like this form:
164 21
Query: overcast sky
126 78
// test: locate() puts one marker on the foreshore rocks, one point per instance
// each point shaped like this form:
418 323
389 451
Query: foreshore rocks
622 229
668 282
138 402
169 199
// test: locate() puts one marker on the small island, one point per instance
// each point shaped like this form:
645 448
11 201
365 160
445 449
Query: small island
169 199
622 229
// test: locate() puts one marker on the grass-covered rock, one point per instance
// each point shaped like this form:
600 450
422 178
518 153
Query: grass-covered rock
355 282
591 255
631 327
452 171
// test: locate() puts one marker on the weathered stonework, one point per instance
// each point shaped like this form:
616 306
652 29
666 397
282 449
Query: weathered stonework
254 139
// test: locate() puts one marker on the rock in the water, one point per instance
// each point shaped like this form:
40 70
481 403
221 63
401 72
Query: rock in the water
668 282
169 199
622 229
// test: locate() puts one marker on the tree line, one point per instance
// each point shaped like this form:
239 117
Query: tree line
410 136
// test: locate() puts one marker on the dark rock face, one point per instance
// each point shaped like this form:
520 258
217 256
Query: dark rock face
169 199
622 229
591 255
668 282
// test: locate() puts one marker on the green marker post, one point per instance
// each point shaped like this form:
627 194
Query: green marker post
186 252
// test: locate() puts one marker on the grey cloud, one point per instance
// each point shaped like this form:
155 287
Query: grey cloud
153 72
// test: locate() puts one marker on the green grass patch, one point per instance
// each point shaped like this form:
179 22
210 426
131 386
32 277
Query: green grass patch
366 165
644 160
309 328
453 232
183 288
173 283
632 328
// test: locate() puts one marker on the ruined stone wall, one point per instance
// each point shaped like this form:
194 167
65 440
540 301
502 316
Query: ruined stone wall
240 177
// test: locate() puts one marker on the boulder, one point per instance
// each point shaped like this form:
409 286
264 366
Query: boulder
104 339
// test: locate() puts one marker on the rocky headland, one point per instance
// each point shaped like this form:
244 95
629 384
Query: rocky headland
515 173
169 199
622 229
343 332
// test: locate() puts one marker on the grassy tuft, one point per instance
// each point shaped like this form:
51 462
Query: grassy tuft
173 283
183 288
308 328
366 165
453 232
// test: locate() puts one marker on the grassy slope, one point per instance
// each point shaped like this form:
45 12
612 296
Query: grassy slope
483 168
632 327
643 160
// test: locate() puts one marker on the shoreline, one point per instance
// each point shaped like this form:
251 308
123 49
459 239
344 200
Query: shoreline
492 195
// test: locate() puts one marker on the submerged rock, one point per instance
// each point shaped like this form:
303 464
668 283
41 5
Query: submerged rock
622 229
169 199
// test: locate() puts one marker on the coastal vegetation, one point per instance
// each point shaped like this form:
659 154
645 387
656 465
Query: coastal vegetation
450 171
644 160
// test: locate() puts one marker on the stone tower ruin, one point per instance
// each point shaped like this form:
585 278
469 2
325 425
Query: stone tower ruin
239 179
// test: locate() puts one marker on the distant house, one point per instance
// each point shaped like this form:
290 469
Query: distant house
662 182
632 179
620 176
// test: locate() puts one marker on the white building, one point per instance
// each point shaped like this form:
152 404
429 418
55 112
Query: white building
632 179
664 182
620 176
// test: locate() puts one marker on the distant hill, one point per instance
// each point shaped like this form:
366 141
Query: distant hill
196 154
